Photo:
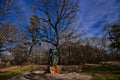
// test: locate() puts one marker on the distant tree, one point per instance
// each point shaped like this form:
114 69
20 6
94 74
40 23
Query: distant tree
79 54
113 31
114 37
97 42
19 54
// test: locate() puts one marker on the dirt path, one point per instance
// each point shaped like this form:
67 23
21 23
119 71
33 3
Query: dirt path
68 76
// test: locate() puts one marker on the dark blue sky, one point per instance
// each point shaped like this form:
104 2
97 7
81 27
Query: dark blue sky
94 14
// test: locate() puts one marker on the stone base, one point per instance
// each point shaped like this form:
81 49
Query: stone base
38 72
55 69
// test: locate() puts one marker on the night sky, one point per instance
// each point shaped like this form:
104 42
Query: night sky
94 14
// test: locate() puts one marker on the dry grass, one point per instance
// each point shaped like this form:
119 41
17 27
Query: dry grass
13 71
116 63
93 65
8 68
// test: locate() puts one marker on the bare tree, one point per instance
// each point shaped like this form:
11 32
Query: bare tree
6 8
10 34
19 54
58 20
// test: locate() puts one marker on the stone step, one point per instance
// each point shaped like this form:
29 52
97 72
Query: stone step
29 76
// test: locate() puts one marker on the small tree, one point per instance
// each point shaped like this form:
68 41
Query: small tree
33 31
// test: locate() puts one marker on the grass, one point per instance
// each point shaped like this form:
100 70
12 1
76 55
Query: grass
103 72
9 74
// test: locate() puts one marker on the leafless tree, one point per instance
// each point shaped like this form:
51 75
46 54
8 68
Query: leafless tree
19 54
10 34
58 19
6 8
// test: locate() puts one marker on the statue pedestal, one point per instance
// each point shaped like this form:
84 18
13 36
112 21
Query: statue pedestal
37 72
55 69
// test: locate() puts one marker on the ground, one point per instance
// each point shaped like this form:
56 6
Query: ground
68 73
103 71
69 76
